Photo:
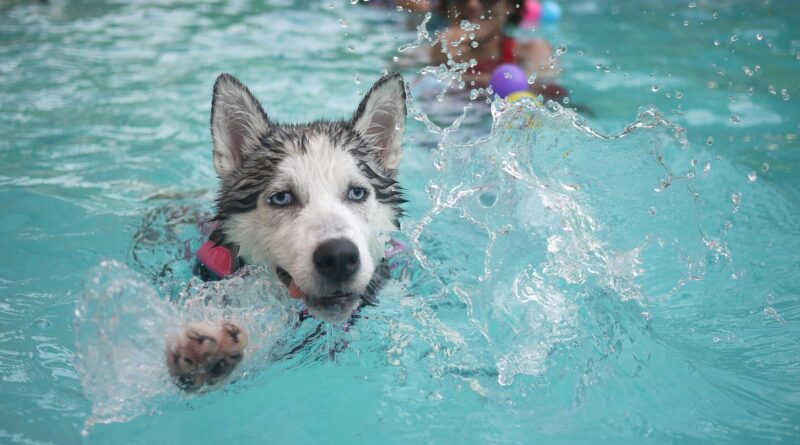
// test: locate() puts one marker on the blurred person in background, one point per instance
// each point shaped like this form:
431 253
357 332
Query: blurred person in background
492 45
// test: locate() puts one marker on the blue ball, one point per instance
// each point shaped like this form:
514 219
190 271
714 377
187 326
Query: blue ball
551 13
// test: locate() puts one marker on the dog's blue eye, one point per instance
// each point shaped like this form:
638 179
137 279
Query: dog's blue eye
357 194
281 199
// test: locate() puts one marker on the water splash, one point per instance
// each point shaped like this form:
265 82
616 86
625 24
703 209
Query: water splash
550 213
121 325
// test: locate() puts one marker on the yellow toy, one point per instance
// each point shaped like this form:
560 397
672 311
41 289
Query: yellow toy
513 97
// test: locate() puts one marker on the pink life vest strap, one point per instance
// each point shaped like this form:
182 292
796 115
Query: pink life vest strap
216 258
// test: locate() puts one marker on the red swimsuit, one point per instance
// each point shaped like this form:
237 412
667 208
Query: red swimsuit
507 45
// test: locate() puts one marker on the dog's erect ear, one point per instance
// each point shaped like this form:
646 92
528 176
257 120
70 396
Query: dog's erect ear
237 123
381 119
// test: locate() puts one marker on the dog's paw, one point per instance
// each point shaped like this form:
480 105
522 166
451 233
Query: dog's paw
205 353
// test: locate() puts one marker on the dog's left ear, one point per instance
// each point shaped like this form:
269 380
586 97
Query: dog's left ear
381 119
237 124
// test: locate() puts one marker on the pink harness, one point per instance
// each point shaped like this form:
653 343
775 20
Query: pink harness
216 258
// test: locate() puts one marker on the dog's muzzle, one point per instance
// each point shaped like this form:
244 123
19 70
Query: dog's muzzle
337 260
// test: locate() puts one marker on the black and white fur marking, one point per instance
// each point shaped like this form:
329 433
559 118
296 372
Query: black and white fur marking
313 201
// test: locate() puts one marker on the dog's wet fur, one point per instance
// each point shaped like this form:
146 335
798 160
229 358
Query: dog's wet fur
314 202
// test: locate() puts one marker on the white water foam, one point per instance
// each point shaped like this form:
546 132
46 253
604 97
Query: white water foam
122 323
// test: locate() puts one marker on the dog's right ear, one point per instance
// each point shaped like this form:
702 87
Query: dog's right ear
381 119
237 124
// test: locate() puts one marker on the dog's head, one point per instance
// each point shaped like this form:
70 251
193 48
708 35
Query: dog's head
315 201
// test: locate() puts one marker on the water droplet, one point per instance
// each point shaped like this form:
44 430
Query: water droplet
580 53
654 88
351 48
735 119
709 141
706 168
395 59
507 75
678 95
43 323
747 71
488 199
772 89
736 199
343 22
652 210
692 5
561 49
435 396
715 339
716 42
785 94
772 313
565 100
765 167
734 38
474 44
752 176
759 37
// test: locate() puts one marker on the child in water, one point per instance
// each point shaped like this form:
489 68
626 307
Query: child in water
490 46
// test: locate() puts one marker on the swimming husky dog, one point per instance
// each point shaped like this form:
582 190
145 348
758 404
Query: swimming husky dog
315 202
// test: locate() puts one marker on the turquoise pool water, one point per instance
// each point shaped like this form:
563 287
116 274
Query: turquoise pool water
629 276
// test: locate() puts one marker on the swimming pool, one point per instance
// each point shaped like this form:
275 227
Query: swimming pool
625 278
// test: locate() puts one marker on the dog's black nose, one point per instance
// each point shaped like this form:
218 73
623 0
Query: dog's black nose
337 259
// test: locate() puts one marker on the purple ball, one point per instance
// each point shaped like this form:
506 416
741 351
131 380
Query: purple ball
508 78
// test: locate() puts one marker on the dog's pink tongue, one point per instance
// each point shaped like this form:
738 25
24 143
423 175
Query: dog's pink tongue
295 291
